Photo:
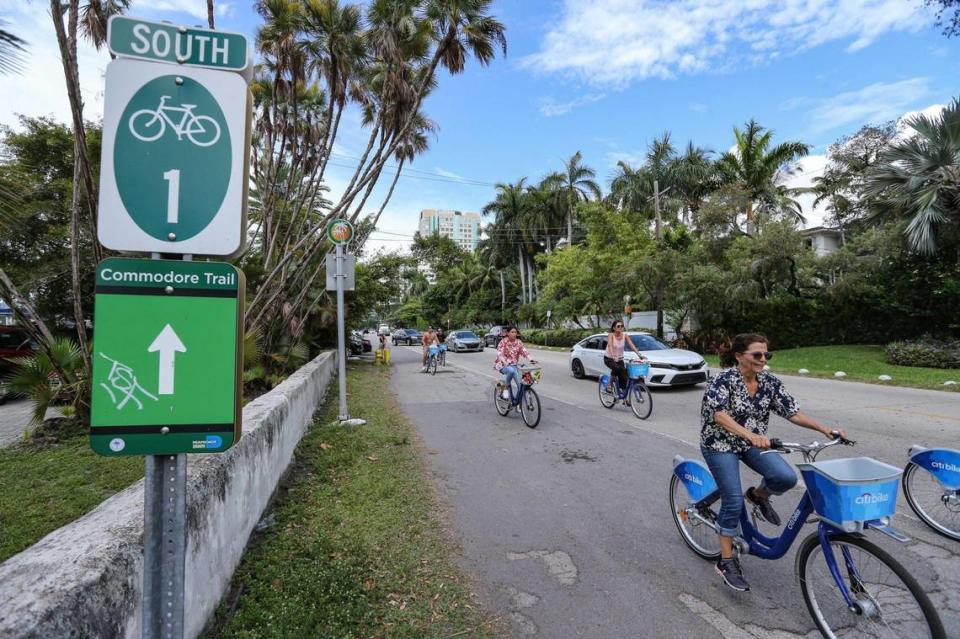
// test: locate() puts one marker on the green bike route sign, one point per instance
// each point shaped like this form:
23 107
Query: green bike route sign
167 357
190 46
174 163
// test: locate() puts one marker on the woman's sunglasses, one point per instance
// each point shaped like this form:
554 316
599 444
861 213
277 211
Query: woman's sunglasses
619 326
757 355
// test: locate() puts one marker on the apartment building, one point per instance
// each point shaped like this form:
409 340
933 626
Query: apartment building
461 227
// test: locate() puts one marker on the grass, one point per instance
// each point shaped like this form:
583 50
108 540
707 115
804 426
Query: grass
358 547
860 363
45 487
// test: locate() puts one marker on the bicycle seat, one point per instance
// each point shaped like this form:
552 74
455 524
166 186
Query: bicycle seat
189 106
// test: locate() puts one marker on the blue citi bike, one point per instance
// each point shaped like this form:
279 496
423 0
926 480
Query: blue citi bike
641 401
931 484
851 586
436 355
525 400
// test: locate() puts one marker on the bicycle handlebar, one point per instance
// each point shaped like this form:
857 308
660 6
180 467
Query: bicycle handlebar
813 447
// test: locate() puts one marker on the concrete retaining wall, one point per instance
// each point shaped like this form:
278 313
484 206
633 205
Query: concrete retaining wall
84 579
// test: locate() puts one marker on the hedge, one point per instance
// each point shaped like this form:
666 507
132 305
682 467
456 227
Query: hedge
926 352
557 336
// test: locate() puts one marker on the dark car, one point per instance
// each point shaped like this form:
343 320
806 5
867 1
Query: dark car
355 343
407 336
494 335
14 342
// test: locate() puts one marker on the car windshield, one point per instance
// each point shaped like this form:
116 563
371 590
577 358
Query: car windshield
645 342
466 335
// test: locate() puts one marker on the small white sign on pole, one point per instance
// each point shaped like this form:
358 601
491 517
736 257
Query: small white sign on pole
349 272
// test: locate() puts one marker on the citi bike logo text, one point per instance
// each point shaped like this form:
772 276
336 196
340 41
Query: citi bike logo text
693 478
867 498
150 124
945 466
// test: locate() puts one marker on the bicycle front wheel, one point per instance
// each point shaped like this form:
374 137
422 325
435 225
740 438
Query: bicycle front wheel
433 365
701 538
889 601
607 399
935 506
503 405
530 408
641 401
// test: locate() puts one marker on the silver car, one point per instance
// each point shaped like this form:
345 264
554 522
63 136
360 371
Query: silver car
464 341
668 366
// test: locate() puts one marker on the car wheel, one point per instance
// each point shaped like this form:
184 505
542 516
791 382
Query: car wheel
577 367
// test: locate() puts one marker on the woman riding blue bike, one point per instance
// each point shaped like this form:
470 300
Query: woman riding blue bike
733 427
613 355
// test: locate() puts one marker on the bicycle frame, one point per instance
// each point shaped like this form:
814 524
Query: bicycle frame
622 394
186 118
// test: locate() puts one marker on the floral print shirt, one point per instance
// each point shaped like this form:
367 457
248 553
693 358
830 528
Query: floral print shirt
727 392
509 353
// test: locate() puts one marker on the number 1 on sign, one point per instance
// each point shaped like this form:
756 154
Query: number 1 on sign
173 195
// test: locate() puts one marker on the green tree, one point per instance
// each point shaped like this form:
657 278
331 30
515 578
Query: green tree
759 167
577 182
918 178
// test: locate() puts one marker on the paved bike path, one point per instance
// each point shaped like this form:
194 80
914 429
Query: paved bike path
567 526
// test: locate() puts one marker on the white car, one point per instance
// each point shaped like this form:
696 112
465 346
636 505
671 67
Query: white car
668 366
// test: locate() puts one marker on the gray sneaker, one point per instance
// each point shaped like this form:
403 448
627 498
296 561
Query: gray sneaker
764 506
732 574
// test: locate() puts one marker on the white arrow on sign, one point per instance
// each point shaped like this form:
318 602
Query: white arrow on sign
168 343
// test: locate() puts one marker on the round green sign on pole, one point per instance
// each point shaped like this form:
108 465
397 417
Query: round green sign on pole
172 158
340 231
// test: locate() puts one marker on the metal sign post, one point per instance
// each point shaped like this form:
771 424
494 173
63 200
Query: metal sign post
164 546
340 232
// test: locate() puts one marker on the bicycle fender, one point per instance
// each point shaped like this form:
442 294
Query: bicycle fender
696 477
942 463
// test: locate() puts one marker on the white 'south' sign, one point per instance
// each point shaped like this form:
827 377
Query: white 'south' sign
173 176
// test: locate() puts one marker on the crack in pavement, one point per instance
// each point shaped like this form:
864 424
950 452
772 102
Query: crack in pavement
731 630
559 564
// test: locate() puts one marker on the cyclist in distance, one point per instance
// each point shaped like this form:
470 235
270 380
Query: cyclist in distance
733 428
509 351
613 356
429 339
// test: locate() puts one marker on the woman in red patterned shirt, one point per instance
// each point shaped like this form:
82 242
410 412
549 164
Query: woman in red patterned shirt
509 352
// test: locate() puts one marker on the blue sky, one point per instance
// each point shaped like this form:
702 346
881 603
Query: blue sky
604 77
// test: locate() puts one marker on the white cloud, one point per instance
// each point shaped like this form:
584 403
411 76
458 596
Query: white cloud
874 104
449 174
550 108
40 88
195 8
616 42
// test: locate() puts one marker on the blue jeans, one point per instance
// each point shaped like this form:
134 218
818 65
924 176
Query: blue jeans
511 374
778 478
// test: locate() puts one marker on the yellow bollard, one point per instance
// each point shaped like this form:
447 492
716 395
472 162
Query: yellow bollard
386 356
377 355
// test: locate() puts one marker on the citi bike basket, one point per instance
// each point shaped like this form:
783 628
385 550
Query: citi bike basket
525 400
931 485
433 355
851 586
640 399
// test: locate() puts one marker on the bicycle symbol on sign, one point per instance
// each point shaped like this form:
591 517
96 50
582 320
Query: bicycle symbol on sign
149 125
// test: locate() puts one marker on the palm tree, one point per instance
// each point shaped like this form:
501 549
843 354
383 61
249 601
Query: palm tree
210 22
11 51
577 183
759 167
415 142
694 178
510 208
919 177
94 16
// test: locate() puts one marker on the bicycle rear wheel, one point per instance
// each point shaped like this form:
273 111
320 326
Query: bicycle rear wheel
530 408
642 401
607 399
701 538
891 603
935 506
503 405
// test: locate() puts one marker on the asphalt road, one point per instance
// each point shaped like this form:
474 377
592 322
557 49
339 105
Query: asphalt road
568 527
